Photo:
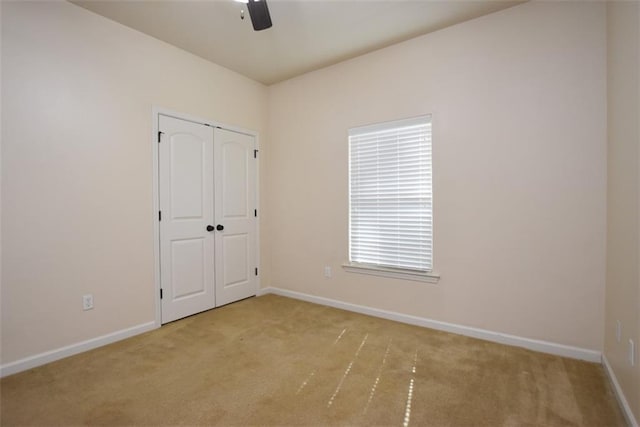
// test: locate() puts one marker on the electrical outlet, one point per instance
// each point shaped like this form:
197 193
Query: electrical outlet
327 271
632 353
618 330
87 302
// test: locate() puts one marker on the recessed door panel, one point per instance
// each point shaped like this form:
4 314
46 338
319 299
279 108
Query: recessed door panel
235 177
187 268
236 263
187 175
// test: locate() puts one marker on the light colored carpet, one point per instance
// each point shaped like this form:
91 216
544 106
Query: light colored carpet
277 361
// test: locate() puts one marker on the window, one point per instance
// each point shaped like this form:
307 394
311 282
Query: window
390 199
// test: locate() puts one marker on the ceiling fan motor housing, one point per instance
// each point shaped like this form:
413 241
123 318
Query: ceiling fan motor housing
259 12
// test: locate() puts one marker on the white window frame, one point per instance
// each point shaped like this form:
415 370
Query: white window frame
427 275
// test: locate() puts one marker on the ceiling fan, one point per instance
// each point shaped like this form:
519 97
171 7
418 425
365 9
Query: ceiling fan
259 13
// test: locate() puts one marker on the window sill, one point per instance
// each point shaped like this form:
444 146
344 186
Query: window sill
430 277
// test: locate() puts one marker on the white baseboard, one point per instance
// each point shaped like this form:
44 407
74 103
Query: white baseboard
70 350
531 344
622 400
264 291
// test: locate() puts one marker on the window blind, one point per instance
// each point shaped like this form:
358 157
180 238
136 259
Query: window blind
390 197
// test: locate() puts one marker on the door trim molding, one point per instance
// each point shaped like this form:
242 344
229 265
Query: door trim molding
155 113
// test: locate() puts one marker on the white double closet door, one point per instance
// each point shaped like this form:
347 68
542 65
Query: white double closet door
207 195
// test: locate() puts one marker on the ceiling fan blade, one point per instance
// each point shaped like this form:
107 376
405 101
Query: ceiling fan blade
259 12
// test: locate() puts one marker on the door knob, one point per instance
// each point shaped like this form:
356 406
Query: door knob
220 227
209 227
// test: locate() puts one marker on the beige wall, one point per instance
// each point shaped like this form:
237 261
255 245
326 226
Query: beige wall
0 185
519 113
623 195
78 91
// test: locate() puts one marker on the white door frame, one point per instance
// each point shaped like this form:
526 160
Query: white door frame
156 111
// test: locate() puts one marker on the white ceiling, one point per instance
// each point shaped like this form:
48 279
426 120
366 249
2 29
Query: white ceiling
306 34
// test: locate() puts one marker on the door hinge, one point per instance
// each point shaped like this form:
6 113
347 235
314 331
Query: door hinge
255 154
159 215
160 293
256 271
159 135
255 212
